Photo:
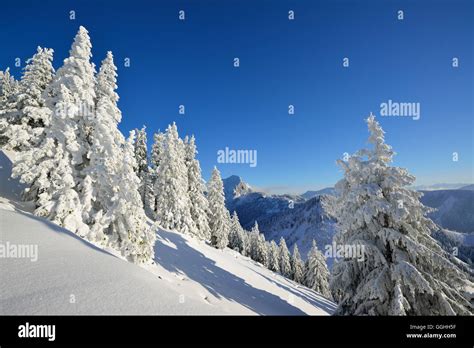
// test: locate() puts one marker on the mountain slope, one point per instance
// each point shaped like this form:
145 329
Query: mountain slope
454 208
309 220
72 276
295 219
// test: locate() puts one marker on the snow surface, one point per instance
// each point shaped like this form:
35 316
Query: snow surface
72 276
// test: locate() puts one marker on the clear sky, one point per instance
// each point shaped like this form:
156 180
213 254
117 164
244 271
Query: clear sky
282 62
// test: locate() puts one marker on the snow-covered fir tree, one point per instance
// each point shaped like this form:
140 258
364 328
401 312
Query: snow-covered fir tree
254 241
156 155
26 122
53 170
157 149
219 223
196 187
297 265
284 259
236 234
273 257
404 271
140 151
171 186
78 75
50 173
149 195
117 216
316 274
141 157
9 88
245 236
6 82
262 249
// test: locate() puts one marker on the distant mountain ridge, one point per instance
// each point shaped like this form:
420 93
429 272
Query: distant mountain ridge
440 186
312 219
301 218
297 219
325 191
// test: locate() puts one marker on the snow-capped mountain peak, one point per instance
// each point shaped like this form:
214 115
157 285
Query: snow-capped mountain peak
235 187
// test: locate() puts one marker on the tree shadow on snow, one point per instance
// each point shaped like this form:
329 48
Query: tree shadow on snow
307 294
220 283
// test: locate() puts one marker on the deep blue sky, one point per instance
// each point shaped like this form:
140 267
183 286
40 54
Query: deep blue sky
282 62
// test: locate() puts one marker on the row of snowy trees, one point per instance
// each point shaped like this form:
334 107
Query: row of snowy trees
313 273
78 167
174 194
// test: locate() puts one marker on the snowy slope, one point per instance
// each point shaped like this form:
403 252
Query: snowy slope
72 276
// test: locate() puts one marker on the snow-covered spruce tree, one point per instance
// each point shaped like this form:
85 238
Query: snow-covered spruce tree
297 266
149 203
253 242
245 237
50 171
156 155
273 259
6 81
197 199
117 218
53 170
316 274
218 213
404 271
140 151
171 186
27 122
284 259
236 234
157 149
262 250
141 157
9 88
135 239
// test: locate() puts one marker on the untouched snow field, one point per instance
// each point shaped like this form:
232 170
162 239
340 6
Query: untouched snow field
72 276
